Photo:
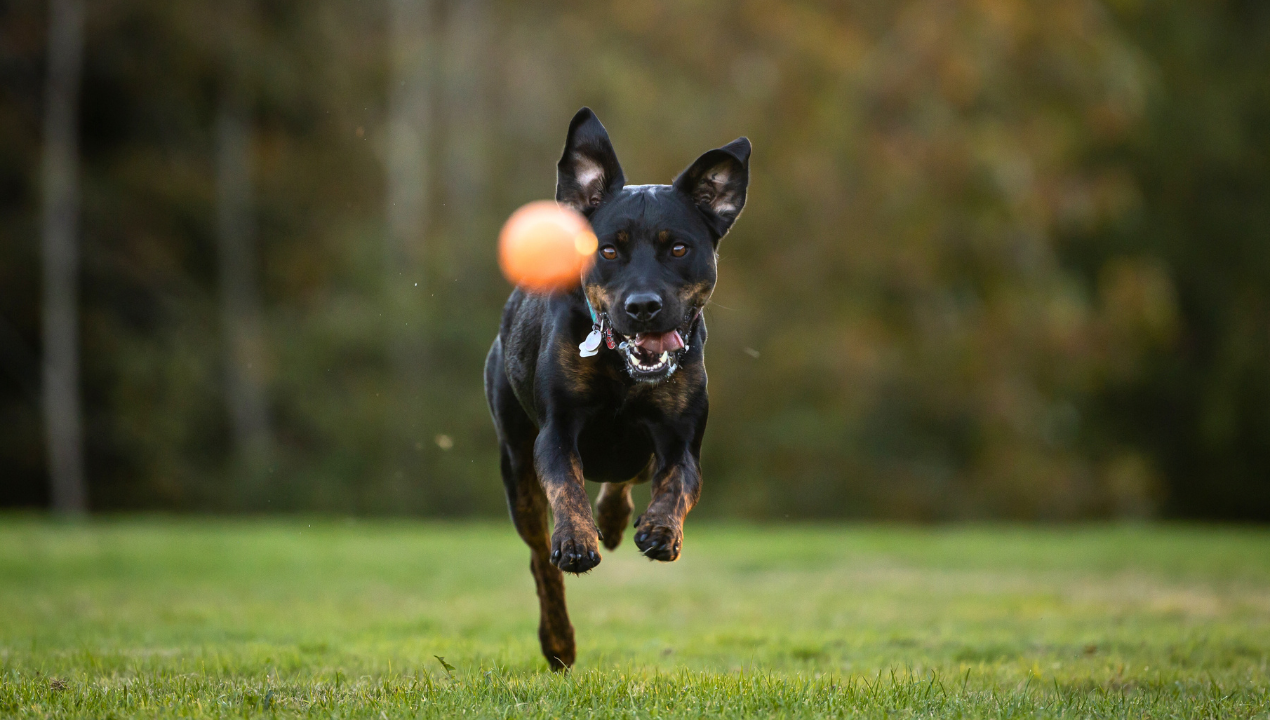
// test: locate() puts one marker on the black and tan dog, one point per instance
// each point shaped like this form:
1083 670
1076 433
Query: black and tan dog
608 382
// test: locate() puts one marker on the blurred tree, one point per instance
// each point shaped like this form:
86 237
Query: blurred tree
466 141
63 423
408 163
24 38
1197 409
1000 258
237 265
240 302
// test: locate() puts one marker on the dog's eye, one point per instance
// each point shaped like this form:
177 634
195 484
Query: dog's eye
608 252
679 250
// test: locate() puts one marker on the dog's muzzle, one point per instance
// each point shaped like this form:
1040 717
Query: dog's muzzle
650 357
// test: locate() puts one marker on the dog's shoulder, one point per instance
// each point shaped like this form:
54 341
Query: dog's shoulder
520 335
539 346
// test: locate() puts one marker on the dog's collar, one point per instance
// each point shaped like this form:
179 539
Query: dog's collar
601 329
591 309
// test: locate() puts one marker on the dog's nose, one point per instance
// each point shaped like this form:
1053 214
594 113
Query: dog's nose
643 306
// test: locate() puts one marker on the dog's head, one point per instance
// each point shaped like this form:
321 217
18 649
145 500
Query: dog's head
655 265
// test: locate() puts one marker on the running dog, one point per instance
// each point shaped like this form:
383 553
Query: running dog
608 382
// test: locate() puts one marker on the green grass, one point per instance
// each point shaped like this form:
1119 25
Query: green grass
179 618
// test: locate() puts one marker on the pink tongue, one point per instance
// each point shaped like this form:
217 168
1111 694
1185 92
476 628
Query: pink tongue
658 343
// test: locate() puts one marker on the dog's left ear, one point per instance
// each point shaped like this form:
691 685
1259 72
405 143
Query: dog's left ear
716 183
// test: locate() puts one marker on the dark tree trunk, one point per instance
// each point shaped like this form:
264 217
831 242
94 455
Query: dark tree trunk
408 166
468 50
244 338
63 424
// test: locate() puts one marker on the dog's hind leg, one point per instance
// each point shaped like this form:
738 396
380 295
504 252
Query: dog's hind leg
612 511
614 506
528 505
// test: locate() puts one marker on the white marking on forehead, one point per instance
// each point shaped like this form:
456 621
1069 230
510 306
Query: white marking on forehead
640 194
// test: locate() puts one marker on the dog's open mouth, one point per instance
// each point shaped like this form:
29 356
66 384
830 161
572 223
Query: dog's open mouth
652 356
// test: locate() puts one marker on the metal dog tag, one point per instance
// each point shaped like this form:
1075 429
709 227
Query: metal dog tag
591 345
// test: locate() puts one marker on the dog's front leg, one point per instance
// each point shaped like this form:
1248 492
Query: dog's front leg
676 488
575 542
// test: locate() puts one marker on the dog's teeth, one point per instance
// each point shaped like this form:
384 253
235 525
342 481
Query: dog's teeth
664 356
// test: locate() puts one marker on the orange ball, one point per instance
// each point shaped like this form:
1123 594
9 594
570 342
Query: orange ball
545 247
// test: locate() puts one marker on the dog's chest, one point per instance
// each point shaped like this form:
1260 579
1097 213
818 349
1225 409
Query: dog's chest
614 447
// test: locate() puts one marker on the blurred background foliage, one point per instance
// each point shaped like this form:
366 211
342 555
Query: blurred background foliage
1000 259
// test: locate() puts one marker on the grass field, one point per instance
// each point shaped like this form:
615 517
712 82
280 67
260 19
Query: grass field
152 617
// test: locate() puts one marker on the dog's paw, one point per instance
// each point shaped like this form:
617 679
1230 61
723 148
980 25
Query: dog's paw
575 550
658 539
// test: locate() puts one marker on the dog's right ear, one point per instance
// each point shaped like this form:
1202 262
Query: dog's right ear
588 171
